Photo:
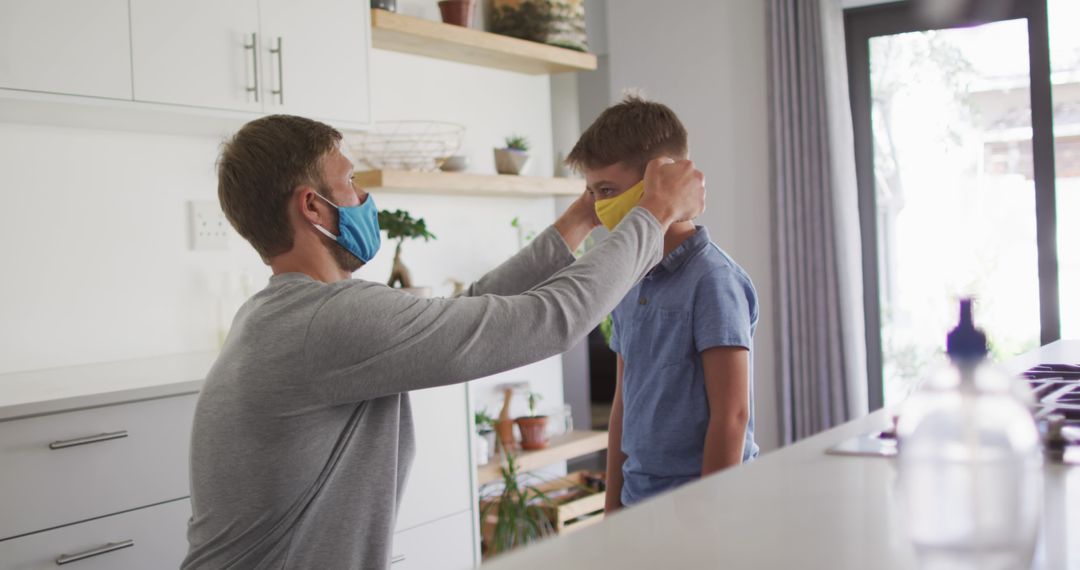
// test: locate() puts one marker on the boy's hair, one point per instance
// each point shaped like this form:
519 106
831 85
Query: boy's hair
633 132
258 170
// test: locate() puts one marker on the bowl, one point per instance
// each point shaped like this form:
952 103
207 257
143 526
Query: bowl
455 163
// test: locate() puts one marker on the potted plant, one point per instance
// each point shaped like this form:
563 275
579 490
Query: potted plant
533 427
485 436
457 12
512 158
556 22
516 516
401 226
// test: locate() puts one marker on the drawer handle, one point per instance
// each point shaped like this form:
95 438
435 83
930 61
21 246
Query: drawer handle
398 558
111 547
88 439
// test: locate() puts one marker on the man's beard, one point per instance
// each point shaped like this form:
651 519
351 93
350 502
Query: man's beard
346 261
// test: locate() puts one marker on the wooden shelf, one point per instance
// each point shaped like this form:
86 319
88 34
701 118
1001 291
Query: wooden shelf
561 448
418 36
463 184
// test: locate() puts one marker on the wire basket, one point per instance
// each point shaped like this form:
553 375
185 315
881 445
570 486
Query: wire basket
407 145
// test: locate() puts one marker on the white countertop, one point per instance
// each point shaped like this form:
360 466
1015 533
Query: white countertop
37 392
793 508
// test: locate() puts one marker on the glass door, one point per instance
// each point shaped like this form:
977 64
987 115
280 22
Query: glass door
955 150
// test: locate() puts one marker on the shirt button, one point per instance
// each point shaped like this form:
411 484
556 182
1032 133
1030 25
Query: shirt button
643 301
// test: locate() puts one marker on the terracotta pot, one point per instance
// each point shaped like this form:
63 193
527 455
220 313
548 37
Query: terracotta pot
533 432
510 161
457 12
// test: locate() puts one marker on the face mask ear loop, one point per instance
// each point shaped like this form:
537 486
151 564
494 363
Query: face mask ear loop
320 228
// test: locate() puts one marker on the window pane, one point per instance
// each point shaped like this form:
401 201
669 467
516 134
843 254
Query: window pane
1065 79
951 123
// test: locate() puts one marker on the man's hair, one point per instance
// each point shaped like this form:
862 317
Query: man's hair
261 166
633 132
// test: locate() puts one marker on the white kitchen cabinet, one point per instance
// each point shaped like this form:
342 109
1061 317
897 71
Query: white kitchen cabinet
445 544
201 53
151 537
321 68
262 56
73 466
439 483
76 47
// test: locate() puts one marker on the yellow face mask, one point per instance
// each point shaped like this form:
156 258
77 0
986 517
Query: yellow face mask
612 210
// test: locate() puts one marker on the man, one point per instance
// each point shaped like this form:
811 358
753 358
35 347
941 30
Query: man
303 437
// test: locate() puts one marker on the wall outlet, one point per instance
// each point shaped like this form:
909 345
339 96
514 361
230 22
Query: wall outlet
208 228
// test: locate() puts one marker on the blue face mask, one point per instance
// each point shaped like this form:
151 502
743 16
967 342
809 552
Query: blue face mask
358 228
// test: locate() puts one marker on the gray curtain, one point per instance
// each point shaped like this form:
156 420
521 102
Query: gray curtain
818 305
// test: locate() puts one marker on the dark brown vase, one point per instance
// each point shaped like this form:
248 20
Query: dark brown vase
457 12
533 432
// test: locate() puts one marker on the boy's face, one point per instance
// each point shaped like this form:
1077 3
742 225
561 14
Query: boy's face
610 181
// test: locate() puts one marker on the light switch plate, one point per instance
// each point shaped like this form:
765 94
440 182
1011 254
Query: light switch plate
207 228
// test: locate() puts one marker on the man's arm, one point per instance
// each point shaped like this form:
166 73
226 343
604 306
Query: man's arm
544 256
727 386
368 341
615 456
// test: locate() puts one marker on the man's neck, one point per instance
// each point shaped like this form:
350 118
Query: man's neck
313 266
678 233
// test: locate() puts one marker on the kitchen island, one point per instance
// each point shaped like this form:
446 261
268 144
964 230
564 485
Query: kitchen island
795 508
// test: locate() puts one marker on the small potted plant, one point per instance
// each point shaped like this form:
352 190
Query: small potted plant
401 226
516 516
533 427
513 158
457 12
485 436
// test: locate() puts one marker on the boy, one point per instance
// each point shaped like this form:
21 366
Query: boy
683 403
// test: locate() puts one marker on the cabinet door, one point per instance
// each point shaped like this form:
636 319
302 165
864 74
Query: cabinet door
439 483
445 544
76 47
197 52
321 69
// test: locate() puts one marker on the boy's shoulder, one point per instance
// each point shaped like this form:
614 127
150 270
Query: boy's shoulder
713 262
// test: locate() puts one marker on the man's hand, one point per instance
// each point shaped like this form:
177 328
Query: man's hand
674 191
578 221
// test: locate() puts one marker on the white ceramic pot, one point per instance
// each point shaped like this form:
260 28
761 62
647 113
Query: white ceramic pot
510 161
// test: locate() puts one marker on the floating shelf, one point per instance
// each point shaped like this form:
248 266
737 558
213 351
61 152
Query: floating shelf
561 448
418 36
462 184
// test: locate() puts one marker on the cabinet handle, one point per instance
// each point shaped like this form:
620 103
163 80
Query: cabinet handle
280 91
254 47
111 547
398 558
63 443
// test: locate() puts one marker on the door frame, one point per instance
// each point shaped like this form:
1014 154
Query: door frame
861 24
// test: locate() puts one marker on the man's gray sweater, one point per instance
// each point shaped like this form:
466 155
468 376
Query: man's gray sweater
303 433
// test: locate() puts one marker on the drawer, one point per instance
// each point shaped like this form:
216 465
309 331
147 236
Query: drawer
49 479
446 544
439 483
157 535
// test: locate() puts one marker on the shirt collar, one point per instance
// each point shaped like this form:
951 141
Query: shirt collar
678 256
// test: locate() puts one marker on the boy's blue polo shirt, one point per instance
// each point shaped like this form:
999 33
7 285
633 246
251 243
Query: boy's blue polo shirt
696 298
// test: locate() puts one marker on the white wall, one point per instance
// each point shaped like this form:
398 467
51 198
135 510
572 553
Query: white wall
94 228
707 60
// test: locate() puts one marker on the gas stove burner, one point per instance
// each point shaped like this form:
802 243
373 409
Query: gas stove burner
1057 391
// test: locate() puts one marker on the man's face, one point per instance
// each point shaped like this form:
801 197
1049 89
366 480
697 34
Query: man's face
337 173
610 181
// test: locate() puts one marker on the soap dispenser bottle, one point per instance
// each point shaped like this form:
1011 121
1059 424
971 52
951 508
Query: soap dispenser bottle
970 462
